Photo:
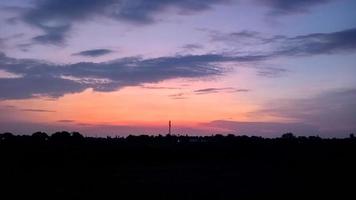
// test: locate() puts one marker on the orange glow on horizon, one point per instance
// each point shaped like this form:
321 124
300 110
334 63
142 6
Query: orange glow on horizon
149 105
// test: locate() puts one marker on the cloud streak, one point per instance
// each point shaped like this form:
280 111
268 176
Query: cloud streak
319 43
192 47
66 121
219 90
285 7
160 88
93 52
15 108
36 110
338 42
180 95
271 72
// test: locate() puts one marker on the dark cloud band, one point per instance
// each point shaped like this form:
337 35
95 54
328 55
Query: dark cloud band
56 17
38 78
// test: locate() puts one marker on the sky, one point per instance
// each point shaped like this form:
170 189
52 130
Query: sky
120 67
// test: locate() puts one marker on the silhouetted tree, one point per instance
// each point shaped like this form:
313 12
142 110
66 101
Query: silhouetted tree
6 136
40 136
77 136
201 166
231 136
288 136
314 138
60 136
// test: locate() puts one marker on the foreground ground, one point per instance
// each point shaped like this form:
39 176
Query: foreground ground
72 167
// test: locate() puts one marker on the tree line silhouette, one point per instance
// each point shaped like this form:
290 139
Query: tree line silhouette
67 165
76 136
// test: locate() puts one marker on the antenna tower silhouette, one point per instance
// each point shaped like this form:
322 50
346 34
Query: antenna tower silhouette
169 127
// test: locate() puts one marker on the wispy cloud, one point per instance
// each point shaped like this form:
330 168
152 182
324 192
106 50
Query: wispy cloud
37 110
180 95
7 107
54 35
271 72
286 7
185 95
219 90
13 108
241 37
338 42
192 47
66 121
93 52
319 43
160 88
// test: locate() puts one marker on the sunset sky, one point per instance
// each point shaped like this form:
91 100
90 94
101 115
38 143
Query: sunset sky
119 67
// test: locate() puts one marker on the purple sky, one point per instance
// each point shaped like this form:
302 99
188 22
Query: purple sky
118 67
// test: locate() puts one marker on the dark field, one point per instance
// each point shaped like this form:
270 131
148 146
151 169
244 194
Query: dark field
68 166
